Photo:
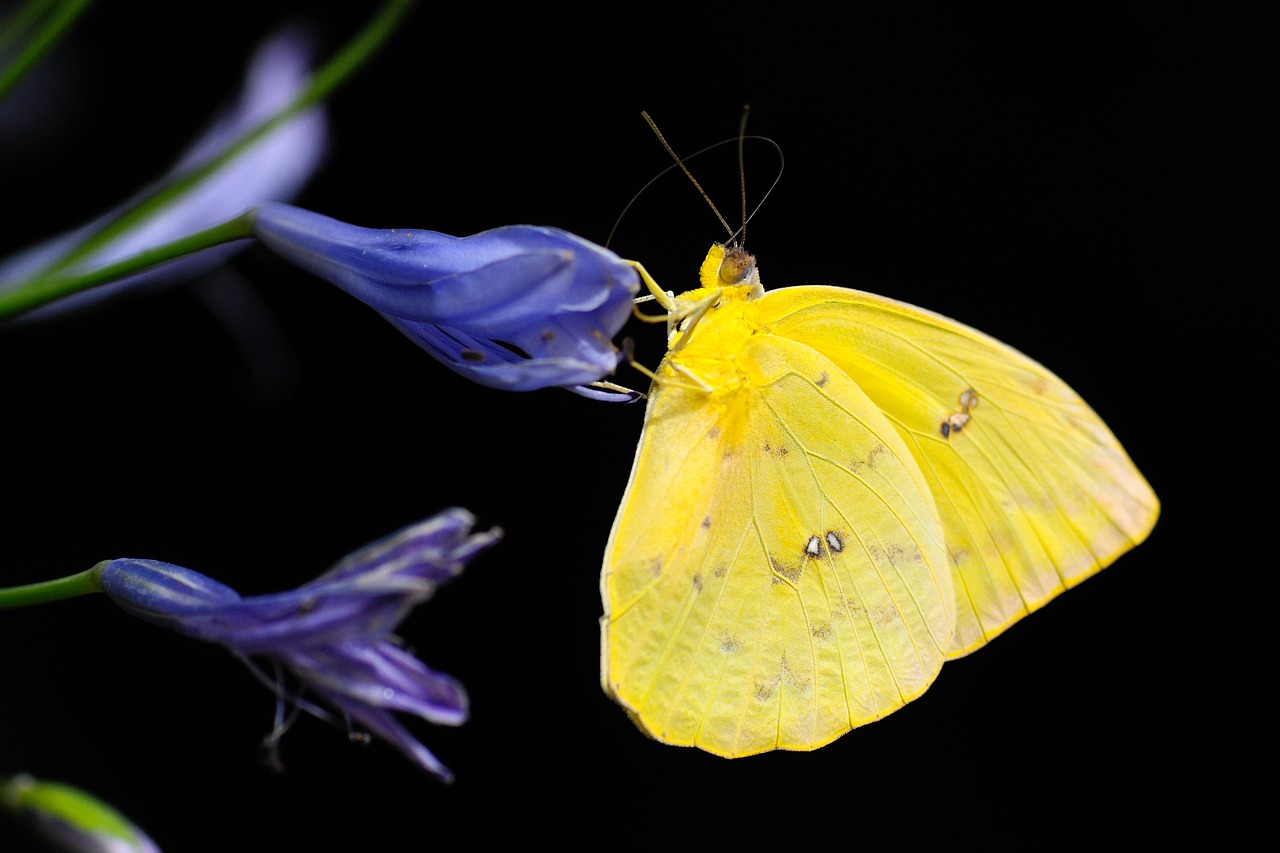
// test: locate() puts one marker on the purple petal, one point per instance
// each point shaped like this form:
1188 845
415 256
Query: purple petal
387 727
384 676
495 366
275 167
491 283
436 549
283 622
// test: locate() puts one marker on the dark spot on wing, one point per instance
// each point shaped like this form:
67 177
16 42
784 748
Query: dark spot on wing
894 554
796 678
697 582
789 572
870 462
884 614
823 379
472 355
954 422
764 689
775 451
706 522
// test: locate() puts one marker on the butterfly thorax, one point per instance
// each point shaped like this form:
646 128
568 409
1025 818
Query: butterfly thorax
715 321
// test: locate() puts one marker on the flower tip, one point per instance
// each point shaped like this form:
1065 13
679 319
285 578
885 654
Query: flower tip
72 819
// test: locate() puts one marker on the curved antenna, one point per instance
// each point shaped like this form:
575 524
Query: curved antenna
654 127
742 172
680 164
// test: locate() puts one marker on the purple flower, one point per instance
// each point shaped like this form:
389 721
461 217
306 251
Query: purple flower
516 308
333 633
274 168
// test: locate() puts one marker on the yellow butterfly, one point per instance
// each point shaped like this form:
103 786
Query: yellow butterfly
834 493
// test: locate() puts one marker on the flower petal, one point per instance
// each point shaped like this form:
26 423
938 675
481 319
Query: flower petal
384 676
495 366
387 727
435 549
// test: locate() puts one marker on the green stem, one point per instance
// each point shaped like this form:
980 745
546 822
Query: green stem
13 28
84 583
42 291
51 29
320 86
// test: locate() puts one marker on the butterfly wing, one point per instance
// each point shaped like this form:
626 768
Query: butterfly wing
776 573
1034 492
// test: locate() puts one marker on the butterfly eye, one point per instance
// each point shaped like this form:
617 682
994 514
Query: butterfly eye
737 267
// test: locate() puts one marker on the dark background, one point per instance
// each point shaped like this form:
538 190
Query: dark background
1024 173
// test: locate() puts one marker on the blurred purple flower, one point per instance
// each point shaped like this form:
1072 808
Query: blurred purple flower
333 633
274 168
516 308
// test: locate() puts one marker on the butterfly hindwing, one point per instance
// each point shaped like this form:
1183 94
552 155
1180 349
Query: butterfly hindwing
776 574
1034 492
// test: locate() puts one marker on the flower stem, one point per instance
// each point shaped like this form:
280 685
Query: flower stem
84 583
42 291
50 30
322 83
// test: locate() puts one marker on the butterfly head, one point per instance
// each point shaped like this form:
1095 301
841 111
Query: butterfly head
729 267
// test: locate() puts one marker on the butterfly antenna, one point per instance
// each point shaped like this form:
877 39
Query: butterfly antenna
742 171
681 165
654 127
741 234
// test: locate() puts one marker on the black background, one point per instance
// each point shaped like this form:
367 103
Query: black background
1017 171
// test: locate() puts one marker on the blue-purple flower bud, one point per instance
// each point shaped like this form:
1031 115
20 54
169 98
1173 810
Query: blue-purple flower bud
517 308
333 633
